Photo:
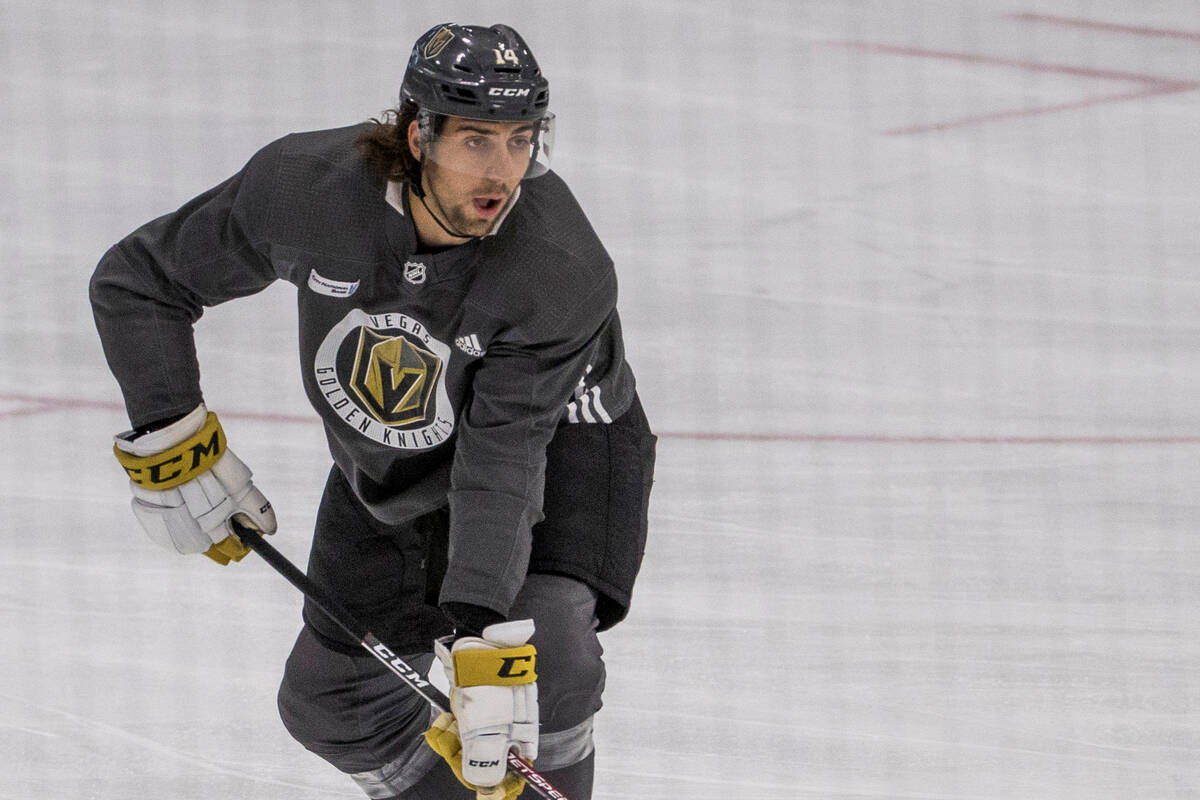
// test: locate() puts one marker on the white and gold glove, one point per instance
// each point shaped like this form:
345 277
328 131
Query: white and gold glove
186 485
493 697
443 738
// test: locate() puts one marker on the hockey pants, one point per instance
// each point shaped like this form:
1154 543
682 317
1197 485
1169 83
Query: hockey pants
362 719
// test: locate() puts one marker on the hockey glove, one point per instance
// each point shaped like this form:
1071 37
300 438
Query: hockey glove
493 696
186 485
443 738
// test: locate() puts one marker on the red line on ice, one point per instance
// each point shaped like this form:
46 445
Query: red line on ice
1150 91
976 58
38 404
1137 30
851 438
1152 85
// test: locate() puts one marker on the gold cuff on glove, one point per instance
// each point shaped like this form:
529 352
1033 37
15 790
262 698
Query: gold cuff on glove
179 464
510 666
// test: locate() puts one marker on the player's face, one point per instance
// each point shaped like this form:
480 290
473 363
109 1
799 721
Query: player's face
472 169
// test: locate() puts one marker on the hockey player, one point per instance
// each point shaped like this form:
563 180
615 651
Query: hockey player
492 464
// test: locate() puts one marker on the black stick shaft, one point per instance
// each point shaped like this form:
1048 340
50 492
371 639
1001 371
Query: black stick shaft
346 621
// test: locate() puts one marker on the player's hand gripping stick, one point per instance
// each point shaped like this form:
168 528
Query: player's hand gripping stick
493 697
517 767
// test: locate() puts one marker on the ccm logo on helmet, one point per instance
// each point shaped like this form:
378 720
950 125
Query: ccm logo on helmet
496 91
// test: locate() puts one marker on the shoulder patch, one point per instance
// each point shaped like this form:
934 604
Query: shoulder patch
331 288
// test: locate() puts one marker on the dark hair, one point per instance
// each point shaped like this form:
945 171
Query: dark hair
385 143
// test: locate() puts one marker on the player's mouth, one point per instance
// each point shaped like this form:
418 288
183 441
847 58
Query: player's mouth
488 206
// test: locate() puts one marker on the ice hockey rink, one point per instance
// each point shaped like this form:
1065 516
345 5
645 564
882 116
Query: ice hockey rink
911 292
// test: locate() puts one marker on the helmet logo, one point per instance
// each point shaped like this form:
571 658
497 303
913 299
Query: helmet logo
496 91
438 43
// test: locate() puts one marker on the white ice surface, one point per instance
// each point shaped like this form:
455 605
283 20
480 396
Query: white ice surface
925 518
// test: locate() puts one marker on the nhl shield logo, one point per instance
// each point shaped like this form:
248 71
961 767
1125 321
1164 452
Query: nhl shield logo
414 272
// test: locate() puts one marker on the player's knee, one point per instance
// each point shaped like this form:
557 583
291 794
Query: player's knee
572 682
570 657
293 715
323 699
302 716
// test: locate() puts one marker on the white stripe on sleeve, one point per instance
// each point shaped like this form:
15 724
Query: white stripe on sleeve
600 409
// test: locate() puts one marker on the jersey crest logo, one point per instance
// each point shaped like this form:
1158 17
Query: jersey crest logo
414 272
394 378
384 376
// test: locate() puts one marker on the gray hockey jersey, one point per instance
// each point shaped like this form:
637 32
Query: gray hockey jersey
439 377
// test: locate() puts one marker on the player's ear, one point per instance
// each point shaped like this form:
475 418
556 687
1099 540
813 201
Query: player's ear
414 139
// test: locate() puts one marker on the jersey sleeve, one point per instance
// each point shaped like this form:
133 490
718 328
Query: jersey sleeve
519 395
151 287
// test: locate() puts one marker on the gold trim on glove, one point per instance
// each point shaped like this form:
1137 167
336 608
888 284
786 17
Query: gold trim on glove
228 549
443 739
511 666
179 464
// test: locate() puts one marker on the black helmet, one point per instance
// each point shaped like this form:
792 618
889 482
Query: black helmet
476 72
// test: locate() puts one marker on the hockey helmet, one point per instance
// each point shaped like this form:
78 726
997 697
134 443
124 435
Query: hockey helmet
476 72
481 73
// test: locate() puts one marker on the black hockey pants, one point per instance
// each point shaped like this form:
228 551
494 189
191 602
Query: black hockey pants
361 718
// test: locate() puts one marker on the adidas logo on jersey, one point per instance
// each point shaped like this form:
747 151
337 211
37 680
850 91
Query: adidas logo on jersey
469 344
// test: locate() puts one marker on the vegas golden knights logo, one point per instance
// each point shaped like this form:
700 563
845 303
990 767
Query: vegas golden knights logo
384 375
394 378
438 43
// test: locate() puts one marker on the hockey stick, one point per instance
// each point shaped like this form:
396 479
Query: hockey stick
346 621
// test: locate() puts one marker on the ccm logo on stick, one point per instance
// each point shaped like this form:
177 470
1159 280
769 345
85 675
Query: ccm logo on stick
398 665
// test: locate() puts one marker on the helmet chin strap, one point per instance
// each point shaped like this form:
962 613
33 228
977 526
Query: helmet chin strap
441 224
419 191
